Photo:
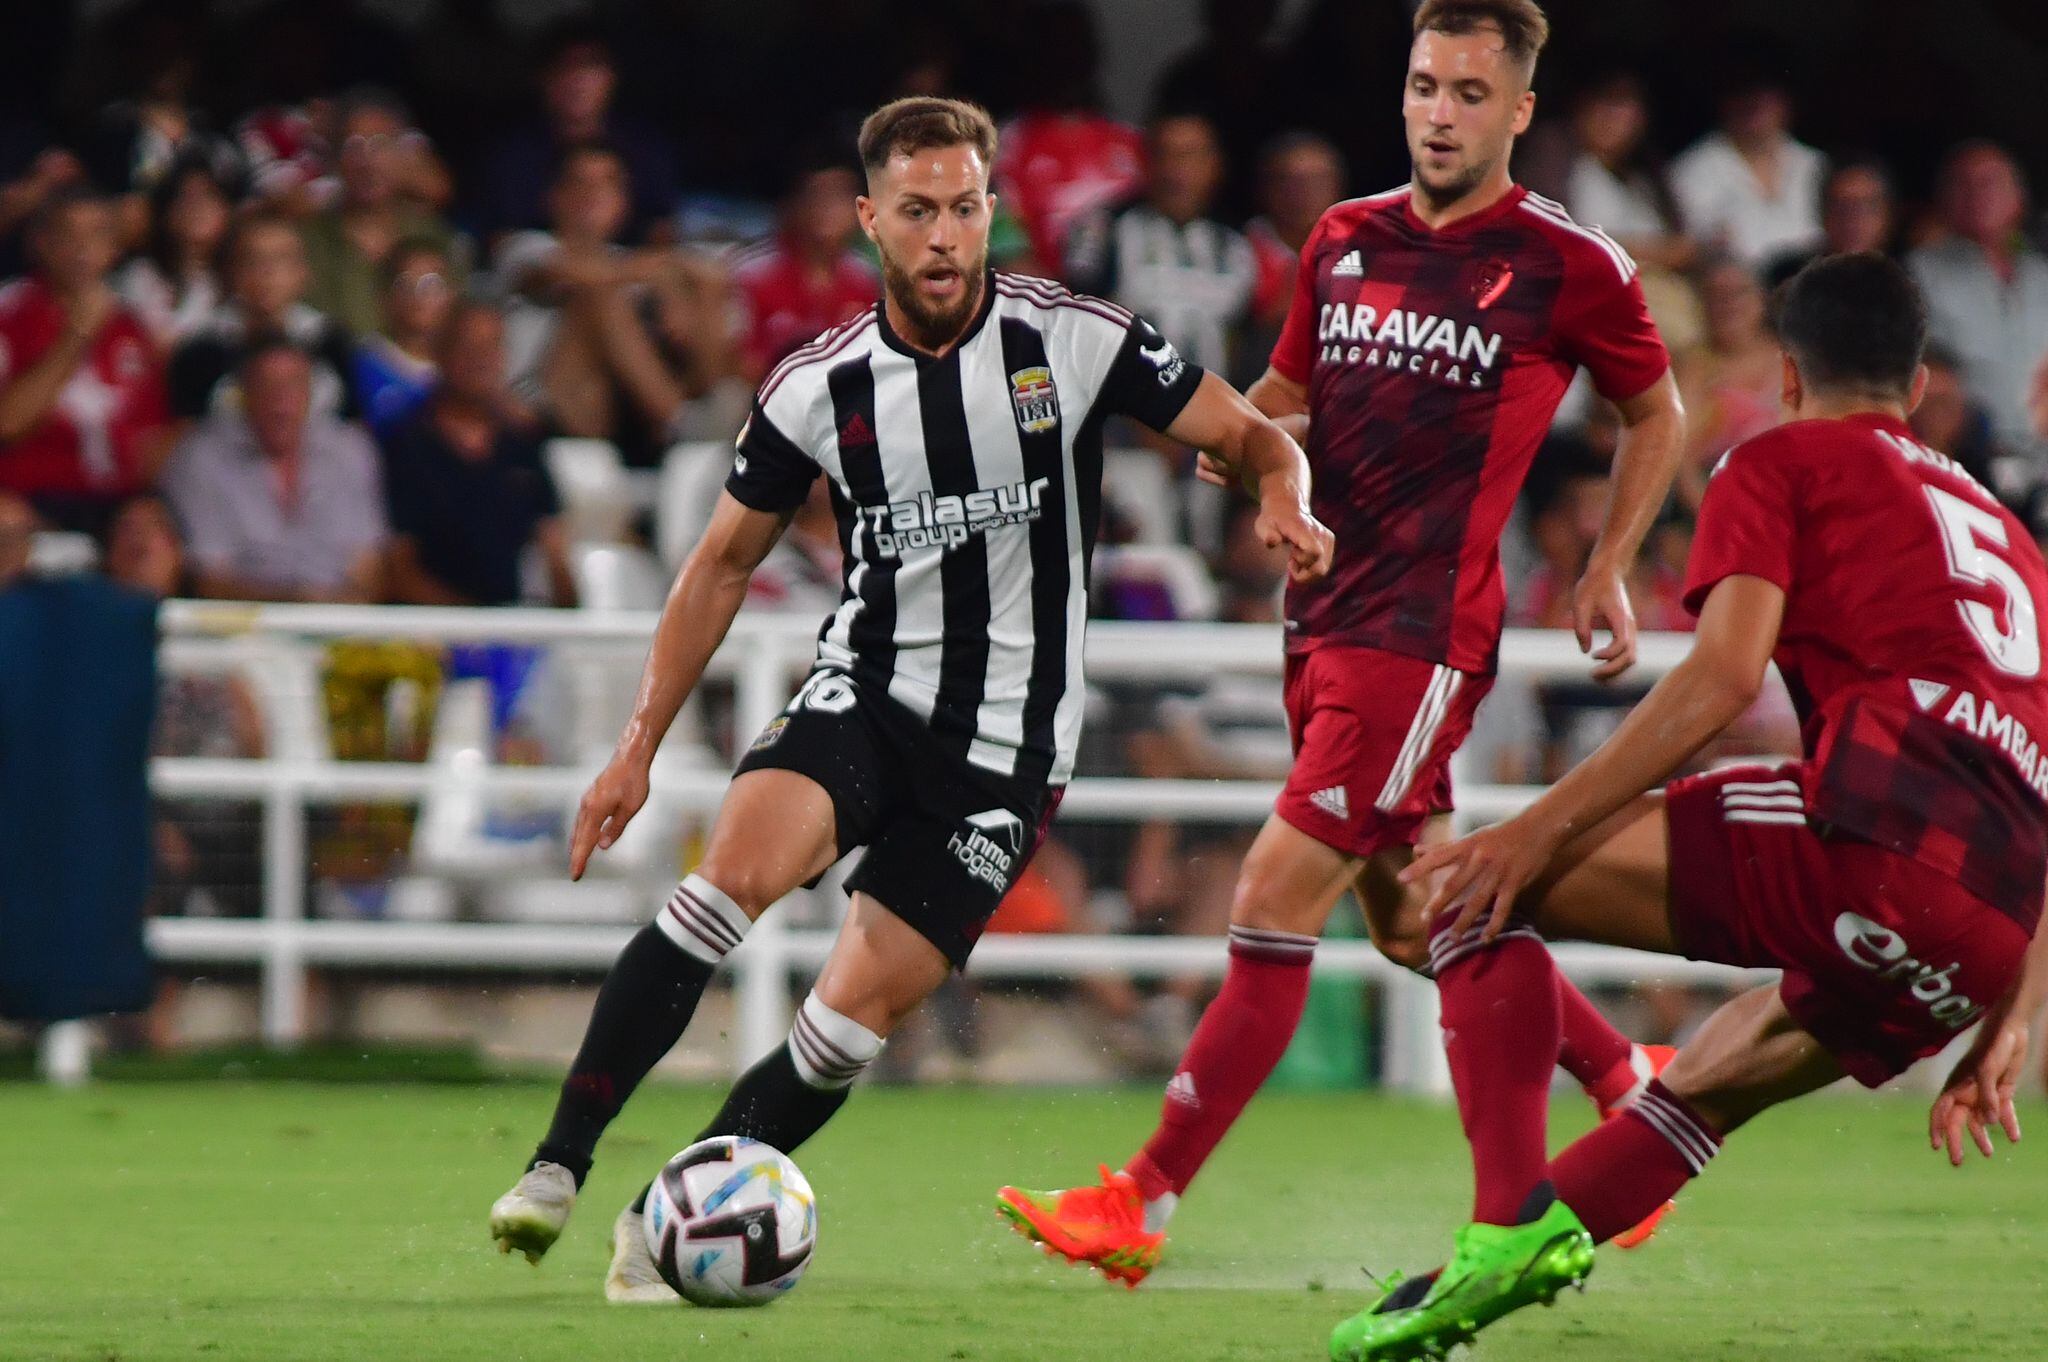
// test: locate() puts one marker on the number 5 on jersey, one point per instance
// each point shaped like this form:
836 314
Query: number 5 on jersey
2016 648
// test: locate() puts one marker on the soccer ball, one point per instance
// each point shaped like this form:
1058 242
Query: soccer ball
731 1221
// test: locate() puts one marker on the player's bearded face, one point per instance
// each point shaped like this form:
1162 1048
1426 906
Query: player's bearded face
929 217
1463 104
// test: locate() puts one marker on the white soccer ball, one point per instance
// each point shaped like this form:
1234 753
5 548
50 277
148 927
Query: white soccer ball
731 1221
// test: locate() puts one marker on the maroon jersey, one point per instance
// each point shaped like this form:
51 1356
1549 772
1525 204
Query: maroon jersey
1434 361
1911 643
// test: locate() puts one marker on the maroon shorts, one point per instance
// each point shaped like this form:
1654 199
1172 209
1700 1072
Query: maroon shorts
1886 960
1373 736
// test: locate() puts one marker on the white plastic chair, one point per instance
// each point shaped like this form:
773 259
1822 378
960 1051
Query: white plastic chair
597 495
691 477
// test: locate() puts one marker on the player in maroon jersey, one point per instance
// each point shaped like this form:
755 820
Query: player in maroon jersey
1895 874
1432 334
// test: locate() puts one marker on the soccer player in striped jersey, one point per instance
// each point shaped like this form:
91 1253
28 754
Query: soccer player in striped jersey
1432 334
958 425
1894 875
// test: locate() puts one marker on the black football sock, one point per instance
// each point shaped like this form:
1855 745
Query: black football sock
642 1010
772 1103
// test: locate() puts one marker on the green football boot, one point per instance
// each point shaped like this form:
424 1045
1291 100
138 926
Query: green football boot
1494 1270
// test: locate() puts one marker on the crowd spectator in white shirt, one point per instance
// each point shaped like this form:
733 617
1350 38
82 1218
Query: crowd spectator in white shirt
1987 292
1750 188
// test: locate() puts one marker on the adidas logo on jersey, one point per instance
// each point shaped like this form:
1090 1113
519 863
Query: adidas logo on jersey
1180 1090
1350 267
855 433
1333 802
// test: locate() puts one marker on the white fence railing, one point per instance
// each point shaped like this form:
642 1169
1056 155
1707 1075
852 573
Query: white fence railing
764 659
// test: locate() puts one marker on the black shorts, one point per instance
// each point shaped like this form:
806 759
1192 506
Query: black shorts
945 838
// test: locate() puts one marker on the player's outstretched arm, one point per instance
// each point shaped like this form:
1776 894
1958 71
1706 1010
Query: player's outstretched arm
1652 437
707 594
1979 1091
1281 399
1719 679
1230 431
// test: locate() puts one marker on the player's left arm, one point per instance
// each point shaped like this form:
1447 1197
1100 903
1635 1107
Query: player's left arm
1231 432
1717 681
1652 438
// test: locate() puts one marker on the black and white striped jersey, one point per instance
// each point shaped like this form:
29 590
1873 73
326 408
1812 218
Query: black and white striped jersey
969 491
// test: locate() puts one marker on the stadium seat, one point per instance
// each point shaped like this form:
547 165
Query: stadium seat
596 493
1165 581
617 577
1137 484
691 477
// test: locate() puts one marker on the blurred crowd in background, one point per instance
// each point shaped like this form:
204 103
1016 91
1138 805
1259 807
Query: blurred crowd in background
304 306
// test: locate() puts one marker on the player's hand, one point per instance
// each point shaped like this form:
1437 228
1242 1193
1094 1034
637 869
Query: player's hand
1310 546
1978 1095
1481 873
1213 470
1600 601
608 805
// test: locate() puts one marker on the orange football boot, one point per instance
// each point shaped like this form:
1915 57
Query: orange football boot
1659 1057
1102 1226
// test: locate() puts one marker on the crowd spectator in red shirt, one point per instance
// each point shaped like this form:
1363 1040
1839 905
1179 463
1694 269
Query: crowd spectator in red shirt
1062 157
83 420
808 276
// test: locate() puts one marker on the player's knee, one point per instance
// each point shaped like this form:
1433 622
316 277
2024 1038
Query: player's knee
1408 950
744 882
1265 899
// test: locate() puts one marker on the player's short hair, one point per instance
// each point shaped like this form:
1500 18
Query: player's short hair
922 122
1854 324
1524 28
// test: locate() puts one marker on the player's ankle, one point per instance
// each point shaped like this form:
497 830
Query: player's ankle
1623 1082
1152 1184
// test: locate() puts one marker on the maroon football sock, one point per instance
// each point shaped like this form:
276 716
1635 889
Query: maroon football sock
1592 1051
1238 1041
1501 1027
1623 1169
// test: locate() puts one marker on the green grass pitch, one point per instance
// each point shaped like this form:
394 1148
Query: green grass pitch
252 1222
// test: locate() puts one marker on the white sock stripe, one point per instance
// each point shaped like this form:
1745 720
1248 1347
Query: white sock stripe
1675 1126
1471 944
1686 1118
686 907
806 1046
831 1056
718 903
687 935
1268 934
1764 816
1763 801
830 1050
1760 787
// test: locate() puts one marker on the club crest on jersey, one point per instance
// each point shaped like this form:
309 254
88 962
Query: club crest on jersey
1038 404
1494 277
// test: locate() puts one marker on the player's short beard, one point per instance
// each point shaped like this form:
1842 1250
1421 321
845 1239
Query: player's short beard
1442 195
935 326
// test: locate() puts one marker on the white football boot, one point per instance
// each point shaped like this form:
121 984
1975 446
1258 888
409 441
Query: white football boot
634 1279
530 1217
